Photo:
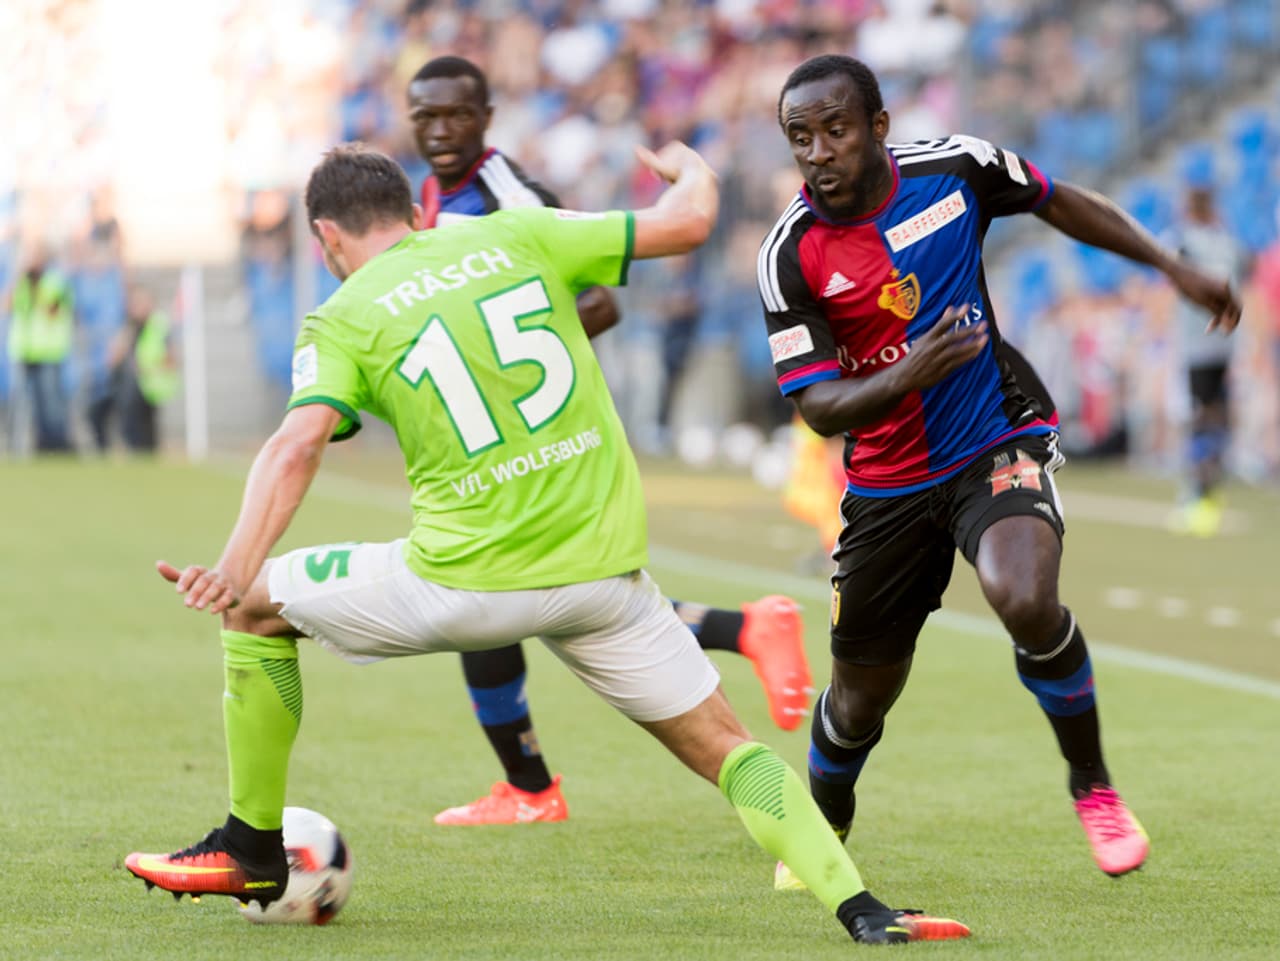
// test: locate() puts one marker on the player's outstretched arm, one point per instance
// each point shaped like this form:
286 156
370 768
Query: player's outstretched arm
684 216
1093 219
278 479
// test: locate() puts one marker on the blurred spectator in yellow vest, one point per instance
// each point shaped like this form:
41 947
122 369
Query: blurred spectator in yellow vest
144 375
41 333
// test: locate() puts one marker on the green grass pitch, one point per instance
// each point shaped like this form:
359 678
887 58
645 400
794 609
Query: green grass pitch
110 735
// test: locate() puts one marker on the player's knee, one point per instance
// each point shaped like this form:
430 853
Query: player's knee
853 710
1029 612
1032 623
703 737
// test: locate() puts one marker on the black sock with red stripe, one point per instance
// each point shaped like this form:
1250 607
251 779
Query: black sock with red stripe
1061 678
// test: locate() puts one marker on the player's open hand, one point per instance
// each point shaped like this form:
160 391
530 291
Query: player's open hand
1212 293
202 587
947 345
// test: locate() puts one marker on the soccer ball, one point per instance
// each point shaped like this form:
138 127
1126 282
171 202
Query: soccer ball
320 870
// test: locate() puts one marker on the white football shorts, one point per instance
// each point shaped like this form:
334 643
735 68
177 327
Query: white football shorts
620 635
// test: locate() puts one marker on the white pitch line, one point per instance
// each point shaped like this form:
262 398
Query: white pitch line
1222 617
1123 598
761 578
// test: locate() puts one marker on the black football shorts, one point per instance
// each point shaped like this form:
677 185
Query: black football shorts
895 554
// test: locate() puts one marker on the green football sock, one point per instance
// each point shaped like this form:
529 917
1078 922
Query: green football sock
782 818
261 710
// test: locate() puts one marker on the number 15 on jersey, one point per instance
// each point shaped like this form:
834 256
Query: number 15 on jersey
515 337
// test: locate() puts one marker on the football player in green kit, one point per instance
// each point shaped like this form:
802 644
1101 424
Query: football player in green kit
528 519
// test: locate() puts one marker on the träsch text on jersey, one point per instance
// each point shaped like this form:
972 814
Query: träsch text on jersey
426 283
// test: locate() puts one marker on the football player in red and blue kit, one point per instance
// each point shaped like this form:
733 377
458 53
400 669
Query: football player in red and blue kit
882 329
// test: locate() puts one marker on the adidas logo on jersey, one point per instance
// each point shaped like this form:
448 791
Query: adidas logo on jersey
838 283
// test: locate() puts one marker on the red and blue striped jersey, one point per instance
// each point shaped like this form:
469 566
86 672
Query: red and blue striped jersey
848 298
495 182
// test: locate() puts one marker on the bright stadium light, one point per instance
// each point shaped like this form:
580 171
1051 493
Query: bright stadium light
166 122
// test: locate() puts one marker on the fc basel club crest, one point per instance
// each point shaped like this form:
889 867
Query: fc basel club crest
1019 472
902 297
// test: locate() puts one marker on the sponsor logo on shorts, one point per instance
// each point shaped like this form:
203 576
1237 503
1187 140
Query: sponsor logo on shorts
835 606
1017 472
1046 510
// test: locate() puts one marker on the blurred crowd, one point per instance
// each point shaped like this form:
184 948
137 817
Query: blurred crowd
85 347
1090 90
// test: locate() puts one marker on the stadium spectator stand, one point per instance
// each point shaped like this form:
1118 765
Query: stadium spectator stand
1097 92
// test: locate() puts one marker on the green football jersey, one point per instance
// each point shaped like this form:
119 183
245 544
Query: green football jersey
466 340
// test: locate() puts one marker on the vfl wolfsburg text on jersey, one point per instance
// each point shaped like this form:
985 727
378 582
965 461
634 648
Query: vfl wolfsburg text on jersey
523 464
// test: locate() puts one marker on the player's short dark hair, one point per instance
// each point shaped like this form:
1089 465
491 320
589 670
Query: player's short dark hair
831 64
356 187
452 68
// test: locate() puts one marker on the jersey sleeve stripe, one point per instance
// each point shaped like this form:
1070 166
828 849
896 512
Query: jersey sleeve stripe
631 249
492 178
901 150
1046 185
767 260
793 380
931 155
344 431
504 174
506 186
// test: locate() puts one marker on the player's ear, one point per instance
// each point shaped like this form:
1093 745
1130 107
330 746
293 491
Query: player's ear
880 126
419 221
327 232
